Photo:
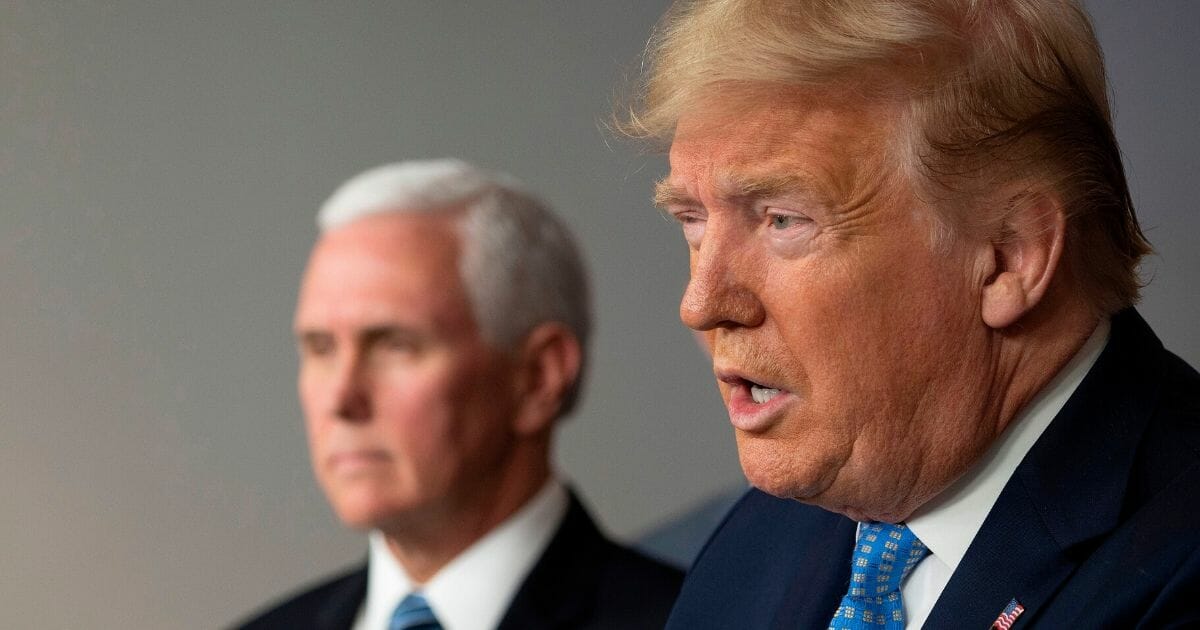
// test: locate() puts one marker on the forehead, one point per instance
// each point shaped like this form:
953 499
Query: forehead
816 139
384 268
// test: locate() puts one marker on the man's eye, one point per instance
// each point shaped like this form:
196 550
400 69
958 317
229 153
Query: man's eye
399 343
693 228
781 222
686 218
784 221
317 346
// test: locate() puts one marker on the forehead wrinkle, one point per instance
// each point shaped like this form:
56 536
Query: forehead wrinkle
869 190
817 159
744 186
860 166
865 193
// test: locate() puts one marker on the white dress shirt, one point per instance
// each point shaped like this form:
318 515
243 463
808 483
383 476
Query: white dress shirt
949 522
474 590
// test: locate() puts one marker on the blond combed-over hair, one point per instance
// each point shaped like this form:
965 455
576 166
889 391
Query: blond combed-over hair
994 95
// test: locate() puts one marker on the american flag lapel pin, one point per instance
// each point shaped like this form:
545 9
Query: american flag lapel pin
1010 614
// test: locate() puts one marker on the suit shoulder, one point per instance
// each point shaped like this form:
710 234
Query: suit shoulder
1169 449
646 574
633 590
339 595
1181 389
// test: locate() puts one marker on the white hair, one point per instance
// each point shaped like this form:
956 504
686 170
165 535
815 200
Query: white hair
520 265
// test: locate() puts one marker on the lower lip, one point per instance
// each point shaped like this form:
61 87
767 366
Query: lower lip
358 461
751 417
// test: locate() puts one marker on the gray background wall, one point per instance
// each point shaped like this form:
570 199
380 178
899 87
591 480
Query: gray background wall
159 166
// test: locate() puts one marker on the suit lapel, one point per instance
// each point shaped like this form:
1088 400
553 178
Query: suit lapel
1012 557
559 589
821 577
341 607
1066 495
772 563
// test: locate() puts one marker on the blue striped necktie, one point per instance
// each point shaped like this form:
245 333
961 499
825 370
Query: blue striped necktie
885 553
414 613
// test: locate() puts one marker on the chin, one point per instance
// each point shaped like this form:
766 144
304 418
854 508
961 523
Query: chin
777 479
361 511
778 472
358 518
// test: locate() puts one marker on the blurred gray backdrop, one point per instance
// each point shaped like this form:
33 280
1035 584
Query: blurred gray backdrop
160 163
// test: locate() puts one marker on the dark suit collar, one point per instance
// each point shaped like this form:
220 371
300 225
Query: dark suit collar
561 586
1068 491
340 609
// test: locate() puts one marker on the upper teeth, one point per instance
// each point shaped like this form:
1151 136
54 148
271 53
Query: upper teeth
762 394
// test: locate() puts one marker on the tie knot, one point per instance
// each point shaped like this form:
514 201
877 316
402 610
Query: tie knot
414 613
884 555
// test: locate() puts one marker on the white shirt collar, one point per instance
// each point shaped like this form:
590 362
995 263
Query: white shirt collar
949 522
474 590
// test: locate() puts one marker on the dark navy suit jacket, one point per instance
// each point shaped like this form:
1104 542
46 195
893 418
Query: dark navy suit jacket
1099 526
582 580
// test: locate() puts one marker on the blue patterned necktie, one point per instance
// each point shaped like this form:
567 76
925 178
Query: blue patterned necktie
414 613
884 555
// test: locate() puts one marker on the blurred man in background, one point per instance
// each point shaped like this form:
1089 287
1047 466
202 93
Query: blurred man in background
442 325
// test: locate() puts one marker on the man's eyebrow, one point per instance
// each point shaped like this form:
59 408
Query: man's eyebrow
366 335
304 333
735 187
372 334
668 194
306 338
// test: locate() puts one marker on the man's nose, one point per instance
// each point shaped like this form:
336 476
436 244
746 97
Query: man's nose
352 390
720 291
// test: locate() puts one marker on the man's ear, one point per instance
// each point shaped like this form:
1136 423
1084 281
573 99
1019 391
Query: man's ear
1025 253
549 361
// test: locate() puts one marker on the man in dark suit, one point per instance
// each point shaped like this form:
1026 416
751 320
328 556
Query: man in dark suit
914 255
442 322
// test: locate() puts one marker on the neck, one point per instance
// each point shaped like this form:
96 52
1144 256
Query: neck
1030 354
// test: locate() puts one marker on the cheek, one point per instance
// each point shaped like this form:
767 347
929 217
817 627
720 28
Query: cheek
411 404
845 339
314 387
428 410
308 405
314 425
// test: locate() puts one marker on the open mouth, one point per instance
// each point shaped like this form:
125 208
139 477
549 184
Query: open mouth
760 393
753 407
